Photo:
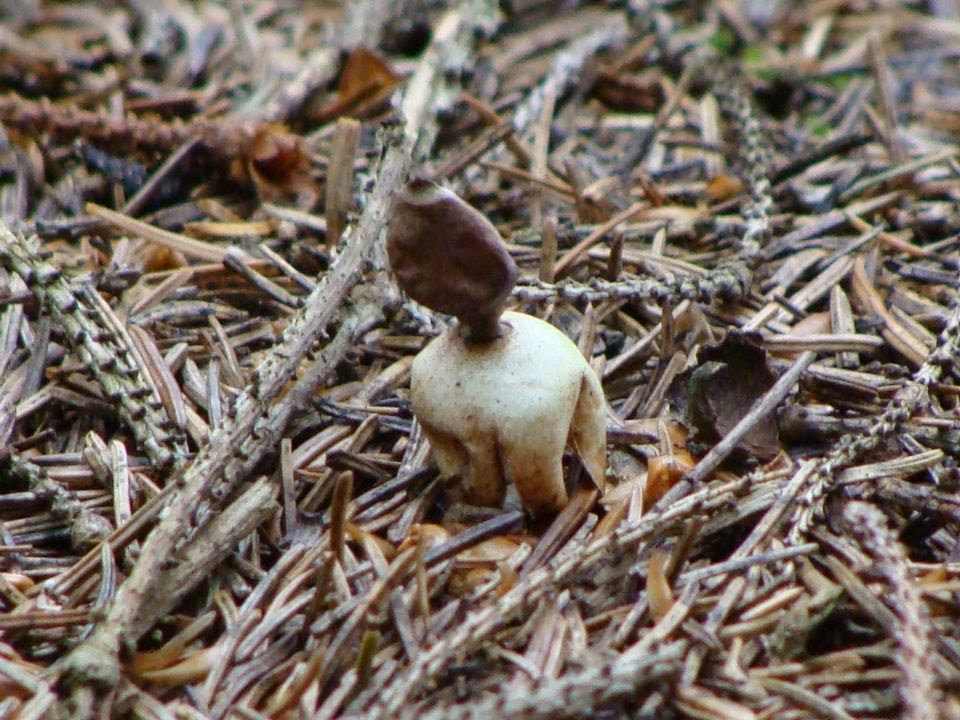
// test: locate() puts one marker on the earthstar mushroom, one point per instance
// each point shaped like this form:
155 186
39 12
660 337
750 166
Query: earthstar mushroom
499 395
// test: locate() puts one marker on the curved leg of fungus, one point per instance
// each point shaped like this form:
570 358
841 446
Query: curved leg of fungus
483 479
588 433
448 452
475 460
537 471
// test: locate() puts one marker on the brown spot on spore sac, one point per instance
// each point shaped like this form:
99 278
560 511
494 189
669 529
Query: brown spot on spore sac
447 256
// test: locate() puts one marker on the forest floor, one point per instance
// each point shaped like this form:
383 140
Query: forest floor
215 500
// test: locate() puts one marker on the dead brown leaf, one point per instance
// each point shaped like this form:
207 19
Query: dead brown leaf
365 83
721 389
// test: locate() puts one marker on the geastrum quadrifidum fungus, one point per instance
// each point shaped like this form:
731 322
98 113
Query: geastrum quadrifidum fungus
499 395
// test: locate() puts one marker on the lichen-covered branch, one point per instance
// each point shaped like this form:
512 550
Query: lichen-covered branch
851 447
914 654
85 527
103 345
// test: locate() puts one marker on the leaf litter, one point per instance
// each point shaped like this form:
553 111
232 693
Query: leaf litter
214 498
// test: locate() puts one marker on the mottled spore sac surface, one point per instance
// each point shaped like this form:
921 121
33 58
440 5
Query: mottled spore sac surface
448 256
